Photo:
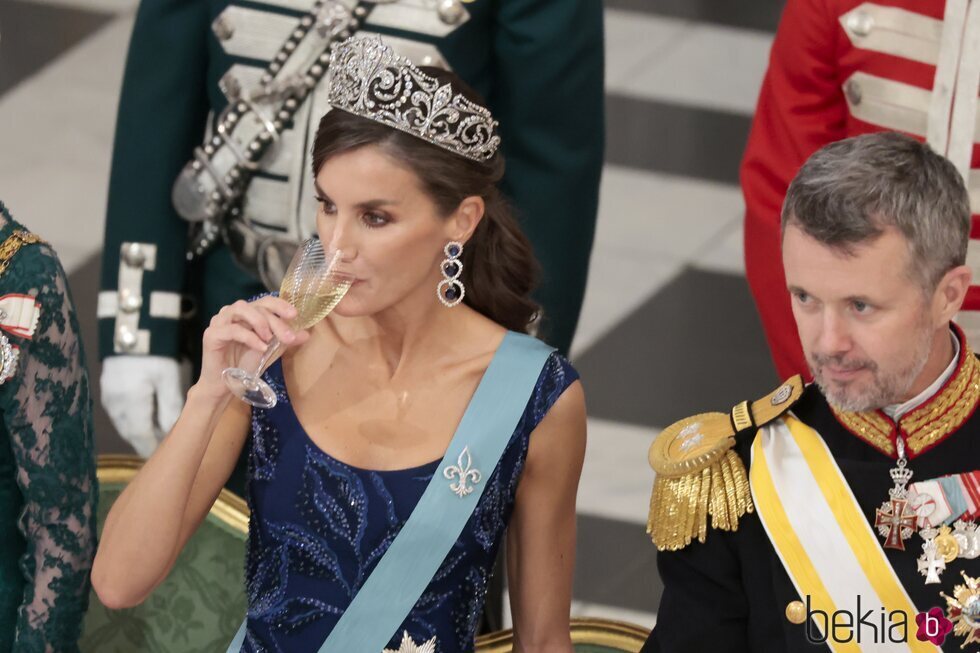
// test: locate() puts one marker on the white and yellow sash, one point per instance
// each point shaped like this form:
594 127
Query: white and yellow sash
821 534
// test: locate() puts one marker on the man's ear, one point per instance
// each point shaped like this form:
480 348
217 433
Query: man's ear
951 292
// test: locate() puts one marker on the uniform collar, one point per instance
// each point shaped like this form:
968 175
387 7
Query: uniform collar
929 418
896 411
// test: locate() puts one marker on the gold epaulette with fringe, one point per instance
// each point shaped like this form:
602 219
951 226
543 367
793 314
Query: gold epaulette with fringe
698 474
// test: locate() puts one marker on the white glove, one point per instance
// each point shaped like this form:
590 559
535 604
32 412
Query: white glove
143 396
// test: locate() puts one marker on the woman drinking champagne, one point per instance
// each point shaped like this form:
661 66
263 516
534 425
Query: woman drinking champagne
412 427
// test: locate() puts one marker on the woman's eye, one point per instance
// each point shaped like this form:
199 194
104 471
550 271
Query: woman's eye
802 297
326 205
375 219
861 307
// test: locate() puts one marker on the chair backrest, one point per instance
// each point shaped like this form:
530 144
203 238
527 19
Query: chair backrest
200 605
588 636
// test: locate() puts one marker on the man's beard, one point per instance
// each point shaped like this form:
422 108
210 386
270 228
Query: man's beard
885 387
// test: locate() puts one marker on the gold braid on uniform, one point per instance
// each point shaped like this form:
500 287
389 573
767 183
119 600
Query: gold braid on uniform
10 247
698 474
924 426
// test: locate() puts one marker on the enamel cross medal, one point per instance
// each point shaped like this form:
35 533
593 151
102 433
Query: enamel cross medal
895 519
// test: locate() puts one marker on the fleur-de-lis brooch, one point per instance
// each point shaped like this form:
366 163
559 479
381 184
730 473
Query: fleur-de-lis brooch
465 471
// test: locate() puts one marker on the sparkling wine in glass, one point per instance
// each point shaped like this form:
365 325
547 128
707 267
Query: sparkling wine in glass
314 285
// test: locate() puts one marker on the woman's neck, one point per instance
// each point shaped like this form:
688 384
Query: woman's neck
406 333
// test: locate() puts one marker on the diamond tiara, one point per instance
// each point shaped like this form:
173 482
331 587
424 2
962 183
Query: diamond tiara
368 79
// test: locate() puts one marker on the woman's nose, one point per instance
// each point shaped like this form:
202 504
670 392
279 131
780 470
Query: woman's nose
341 238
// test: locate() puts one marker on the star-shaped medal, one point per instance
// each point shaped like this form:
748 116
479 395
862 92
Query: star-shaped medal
964 609
408 645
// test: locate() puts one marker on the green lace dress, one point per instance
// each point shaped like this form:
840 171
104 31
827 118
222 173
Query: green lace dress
47 465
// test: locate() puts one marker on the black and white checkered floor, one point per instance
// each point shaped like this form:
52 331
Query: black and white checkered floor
668 327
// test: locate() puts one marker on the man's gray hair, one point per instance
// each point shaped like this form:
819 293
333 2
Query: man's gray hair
848 192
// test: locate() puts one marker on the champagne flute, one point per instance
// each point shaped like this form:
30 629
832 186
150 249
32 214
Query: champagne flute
314 286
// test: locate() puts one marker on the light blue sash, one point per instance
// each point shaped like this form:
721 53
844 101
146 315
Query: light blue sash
414 557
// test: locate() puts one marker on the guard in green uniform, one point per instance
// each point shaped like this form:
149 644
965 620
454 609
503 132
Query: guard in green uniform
211 185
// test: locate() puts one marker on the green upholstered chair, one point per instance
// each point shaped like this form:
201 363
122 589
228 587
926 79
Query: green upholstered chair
200 605
588 636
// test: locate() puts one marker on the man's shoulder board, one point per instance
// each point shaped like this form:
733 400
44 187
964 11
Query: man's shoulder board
699 475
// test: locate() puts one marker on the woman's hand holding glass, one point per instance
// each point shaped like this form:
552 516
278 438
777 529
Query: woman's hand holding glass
240 335
313 285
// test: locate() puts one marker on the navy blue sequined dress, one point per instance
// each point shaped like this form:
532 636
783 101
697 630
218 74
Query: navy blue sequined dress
319 527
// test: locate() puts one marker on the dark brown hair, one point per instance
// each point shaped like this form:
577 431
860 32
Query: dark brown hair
499 268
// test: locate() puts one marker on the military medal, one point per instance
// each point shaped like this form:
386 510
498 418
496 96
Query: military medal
953 499
408 645
930 563
924 506
19 315
967 536
964 610
946 544
8 359
895 519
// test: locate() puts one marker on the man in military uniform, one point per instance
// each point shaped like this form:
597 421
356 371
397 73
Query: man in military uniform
859 509
248 79
840 68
